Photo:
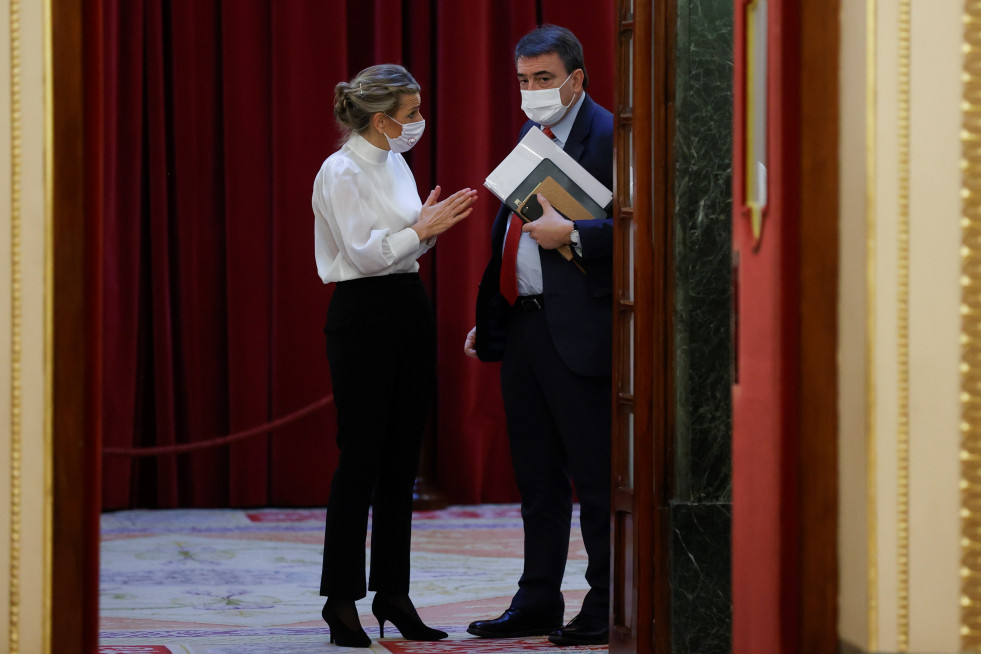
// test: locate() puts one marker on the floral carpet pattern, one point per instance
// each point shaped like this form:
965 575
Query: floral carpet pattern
247 581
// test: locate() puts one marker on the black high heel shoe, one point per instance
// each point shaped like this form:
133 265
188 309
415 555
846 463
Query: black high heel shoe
341 632
403 615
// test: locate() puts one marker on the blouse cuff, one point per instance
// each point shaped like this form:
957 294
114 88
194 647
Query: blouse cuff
403 243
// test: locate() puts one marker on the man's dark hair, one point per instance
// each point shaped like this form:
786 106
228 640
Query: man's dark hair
552 38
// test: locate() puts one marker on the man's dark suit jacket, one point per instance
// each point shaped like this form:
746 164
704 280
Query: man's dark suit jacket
577 306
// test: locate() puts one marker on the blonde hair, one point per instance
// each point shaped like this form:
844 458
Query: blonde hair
375 89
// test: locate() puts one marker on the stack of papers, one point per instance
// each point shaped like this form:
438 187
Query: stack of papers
537 158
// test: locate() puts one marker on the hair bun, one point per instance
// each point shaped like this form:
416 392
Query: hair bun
375 89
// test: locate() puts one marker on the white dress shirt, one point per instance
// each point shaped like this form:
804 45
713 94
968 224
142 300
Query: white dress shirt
365 201
529 268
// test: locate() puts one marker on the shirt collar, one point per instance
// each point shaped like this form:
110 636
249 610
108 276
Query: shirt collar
360 146
563 128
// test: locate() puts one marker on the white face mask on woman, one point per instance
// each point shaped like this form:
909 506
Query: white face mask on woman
411 133
544 106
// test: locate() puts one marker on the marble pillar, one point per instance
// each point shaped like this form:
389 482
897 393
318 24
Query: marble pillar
701 509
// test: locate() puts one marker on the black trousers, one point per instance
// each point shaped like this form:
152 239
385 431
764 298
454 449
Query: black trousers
381 347
559 429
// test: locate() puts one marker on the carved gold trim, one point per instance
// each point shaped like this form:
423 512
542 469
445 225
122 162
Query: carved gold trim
16 342
970 364
902 329
871 474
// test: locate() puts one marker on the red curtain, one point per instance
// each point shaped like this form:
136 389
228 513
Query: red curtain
215 117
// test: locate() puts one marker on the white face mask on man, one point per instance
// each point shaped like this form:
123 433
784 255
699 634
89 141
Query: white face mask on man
411 133
544 106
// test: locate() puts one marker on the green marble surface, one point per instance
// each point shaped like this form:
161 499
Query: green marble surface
701 508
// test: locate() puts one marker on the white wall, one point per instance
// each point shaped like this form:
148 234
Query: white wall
891 395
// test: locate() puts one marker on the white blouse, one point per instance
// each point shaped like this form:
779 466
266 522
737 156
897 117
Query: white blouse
364 204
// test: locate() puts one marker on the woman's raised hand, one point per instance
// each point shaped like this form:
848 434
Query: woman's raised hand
437 217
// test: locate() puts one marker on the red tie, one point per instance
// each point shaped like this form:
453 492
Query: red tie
509 261
547 132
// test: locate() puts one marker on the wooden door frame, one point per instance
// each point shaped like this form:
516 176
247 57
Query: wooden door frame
817 400
641 510
631 605
75 446
661 235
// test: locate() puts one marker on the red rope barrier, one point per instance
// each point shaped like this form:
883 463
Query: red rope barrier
222 440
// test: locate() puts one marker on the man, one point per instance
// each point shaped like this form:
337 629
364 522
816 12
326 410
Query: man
554 341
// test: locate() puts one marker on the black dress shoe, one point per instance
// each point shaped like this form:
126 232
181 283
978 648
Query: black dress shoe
582 630
515 623
345 628
400 612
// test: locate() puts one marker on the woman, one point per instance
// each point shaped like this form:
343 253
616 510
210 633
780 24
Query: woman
370 229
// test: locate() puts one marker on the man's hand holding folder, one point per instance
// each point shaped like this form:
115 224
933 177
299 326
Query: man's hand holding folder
549 228
545 211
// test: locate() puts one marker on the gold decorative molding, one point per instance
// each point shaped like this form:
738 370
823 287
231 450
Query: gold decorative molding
49 311
902 329
16 341
871 474
970 363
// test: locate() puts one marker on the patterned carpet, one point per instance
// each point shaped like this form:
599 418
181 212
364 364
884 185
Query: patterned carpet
246 582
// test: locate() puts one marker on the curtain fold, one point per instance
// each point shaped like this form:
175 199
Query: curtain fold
122 106
217 116
246 70
486 105
309 42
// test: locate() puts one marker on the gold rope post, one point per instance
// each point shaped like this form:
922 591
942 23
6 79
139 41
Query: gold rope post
902 335
16 341
970 364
